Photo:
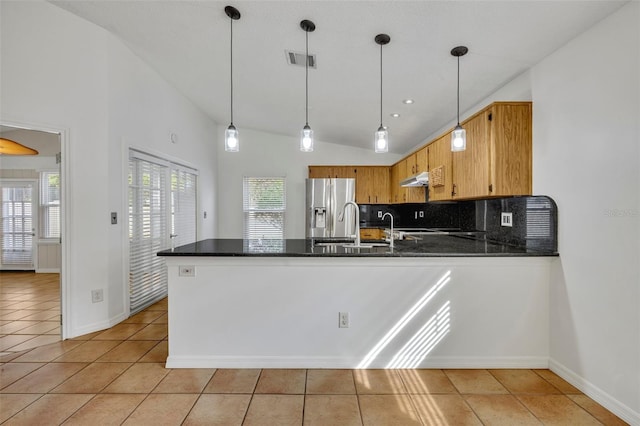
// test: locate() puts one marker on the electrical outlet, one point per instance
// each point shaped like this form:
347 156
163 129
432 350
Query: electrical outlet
421 213
114 218
506 219
187 271
379 214
97 295
343 319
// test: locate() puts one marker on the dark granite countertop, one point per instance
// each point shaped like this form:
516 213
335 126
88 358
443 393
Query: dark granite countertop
428 246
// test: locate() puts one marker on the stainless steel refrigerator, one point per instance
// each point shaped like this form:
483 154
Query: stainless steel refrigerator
325 214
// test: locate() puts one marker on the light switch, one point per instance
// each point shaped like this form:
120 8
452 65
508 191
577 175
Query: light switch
114 218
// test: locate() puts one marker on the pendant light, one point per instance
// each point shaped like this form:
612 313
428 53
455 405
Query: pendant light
459 134
9 147
231 141
381 136
306 135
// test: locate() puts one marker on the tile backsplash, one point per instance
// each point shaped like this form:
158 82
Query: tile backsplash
534 219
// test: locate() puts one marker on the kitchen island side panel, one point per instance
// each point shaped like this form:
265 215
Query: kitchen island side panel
241 312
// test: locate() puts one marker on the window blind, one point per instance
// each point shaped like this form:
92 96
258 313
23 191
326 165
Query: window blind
147 232
183 205
49 205
264 206
17 225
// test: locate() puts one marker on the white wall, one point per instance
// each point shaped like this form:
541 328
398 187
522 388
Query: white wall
429 312
61 72
143 112
266 154
586 157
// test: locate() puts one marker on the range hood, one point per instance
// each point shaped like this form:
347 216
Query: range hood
421 179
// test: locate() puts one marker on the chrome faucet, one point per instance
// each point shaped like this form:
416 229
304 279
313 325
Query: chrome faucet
391 234
357 208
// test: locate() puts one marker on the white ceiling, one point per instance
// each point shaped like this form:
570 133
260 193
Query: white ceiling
187 42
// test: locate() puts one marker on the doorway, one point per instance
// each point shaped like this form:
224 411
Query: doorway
17 227
31 228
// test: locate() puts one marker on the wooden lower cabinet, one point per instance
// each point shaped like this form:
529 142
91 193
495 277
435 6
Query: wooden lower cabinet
372 234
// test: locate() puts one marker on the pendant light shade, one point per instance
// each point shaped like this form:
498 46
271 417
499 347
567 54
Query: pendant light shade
231 140
306 135
9 147
381 136
459 134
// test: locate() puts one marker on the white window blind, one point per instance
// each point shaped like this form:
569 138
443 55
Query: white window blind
162 203
183 205
148 232
264 207
49 205
17 225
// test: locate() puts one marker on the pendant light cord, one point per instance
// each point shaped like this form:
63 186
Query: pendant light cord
458 92
381 85
231 62
306 78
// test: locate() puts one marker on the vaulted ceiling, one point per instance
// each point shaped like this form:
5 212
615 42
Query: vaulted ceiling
187 42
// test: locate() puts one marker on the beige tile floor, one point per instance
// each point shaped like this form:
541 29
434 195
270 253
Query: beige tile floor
29 310
117 376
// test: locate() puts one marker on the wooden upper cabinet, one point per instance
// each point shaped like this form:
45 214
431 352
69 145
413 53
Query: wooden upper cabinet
398 172
440 170
332 172
372 182
497 161
372 185
381 188
511 149
417 162
471 166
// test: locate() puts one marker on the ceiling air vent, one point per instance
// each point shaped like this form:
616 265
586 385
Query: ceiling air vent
297 58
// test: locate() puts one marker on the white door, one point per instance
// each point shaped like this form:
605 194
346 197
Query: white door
19 220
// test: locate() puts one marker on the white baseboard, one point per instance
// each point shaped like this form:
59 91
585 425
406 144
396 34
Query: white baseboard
97 326
592 391
350 363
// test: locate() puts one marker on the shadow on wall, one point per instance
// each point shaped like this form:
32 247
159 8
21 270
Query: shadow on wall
562 329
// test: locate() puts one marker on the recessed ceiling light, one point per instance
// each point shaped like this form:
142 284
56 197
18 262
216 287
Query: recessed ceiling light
407 101
395 115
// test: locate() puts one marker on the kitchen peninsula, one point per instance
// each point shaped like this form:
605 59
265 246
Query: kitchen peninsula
455 301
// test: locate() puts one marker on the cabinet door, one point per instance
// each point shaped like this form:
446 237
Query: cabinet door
403 173
440 163
380 185
371 234
471 166
364 185
421 160
511 138
319 172
394 183
332 172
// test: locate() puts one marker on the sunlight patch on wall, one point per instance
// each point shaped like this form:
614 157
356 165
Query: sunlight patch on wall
406 318
419 346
